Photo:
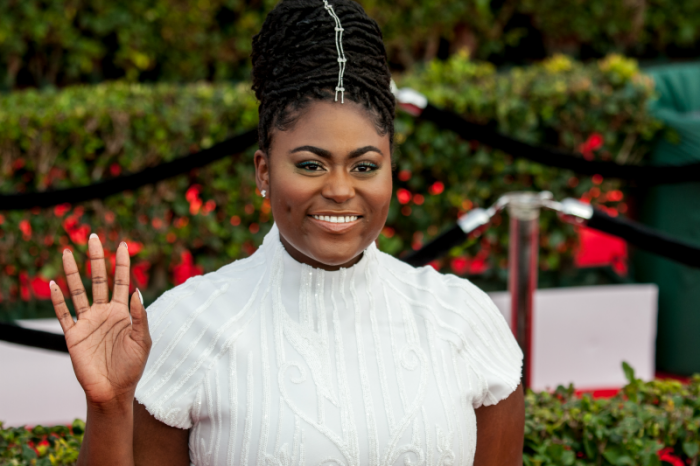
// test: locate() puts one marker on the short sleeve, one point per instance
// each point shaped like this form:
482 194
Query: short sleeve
176 363
492 354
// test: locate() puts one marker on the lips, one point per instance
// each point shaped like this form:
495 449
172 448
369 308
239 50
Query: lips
335 223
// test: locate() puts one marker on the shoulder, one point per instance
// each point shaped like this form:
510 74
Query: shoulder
190 326
202 291
466 316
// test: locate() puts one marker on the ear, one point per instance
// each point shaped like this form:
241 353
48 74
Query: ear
262 171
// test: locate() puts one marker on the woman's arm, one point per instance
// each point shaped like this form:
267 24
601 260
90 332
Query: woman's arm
500 432
157 444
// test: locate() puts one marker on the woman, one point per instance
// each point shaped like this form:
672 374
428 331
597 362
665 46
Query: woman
317 349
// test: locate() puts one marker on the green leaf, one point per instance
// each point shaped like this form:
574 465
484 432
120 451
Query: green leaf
691 449
629 371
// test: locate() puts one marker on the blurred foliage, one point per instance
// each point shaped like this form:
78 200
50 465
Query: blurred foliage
644 424
41 446
198 222
63 42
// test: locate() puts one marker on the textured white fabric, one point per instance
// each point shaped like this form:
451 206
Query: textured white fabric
272 362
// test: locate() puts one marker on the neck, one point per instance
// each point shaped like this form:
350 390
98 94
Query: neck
304 259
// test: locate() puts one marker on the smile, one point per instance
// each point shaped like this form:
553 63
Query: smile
335 219
335 224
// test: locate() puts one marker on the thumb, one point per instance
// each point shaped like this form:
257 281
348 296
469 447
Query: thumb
139 320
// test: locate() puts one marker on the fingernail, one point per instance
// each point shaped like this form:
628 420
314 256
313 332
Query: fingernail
123 243
67 251
93 235
51 284
140 295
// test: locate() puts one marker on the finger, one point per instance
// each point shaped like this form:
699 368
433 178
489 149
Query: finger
100 291
60 307
121 275
139 320
75 284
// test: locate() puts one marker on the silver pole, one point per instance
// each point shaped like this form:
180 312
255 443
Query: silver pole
524 210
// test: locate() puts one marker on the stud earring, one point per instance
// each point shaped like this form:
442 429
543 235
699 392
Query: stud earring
263 192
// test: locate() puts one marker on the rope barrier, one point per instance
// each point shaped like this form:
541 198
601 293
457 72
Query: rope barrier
34 338
646 238
418 105
571 210
643 175
151 175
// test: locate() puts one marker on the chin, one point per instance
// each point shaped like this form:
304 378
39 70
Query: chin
335 256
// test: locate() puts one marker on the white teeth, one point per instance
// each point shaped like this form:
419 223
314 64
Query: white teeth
330 219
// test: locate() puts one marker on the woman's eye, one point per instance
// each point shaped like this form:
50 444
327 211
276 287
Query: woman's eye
310 166
365 167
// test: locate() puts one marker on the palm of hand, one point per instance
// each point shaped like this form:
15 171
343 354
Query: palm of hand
108 352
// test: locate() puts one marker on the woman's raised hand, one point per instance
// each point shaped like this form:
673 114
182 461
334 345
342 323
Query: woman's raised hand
108 347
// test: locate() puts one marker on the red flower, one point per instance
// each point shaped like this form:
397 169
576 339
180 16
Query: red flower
185 269
134 247
140 274
667 455
405 175
24 286
594 142
61 210
115 169
40 287
437 188
418 199
26 229
460 265
80 234
404 196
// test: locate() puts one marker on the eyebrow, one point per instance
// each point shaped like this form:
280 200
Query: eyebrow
327 155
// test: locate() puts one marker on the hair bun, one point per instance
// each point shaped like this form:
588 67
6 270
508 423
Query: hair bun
295 60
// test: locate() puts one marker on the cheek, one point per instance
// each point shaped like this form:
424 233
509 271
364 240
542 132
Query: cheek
289 193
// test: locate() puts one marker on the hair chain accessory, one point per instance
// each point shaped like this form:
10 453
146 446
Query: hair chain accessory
341 53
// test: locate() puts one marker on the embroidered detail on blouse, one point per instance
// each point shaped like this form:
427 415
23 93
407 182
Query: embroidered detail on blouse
272 362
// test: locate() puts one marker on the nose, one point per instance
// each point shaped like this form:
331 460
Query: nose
338 187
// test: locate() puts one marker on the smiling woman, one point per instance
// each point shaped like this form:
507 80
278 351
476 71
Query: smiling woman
318 349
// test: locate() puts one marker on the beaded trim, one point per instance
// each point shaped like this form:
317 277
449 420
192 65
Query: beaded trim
341 54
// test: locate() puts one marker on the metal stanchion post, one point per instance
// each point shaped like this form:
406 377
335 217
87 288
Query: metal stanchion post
524 210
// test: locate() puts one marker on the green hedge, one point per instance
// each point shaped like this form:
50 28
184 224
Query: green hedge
637 427
201 221
61 42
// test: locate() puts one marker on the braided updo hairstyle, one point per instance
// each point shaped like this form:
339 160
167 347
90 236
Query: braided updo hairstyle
295 62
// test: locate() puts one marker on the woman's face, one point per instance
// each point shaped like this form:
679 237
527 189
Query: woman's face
328 179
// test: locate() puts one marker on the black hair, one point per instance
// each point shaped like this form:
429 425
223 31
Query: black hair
295 62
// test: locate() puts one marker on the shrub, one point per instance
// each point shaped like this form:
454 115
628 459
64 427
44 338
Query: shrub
645 422
203 220
63 42
642 424
41 446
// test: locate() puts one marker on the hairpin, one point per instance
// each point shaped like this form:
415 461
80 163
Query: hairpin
341 54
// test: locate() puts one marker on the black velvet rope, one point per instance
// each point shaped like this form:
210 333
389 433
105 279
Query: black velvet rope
437 248
151 175
642 175
646 238
35 338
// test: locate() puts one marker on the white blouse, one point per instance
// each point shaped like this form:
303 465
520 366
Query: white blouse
272 362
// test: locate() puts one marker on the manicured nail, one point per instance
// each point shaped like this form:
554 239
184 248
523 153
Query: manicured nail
123 243
140 295
93 235
52 283
67 251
